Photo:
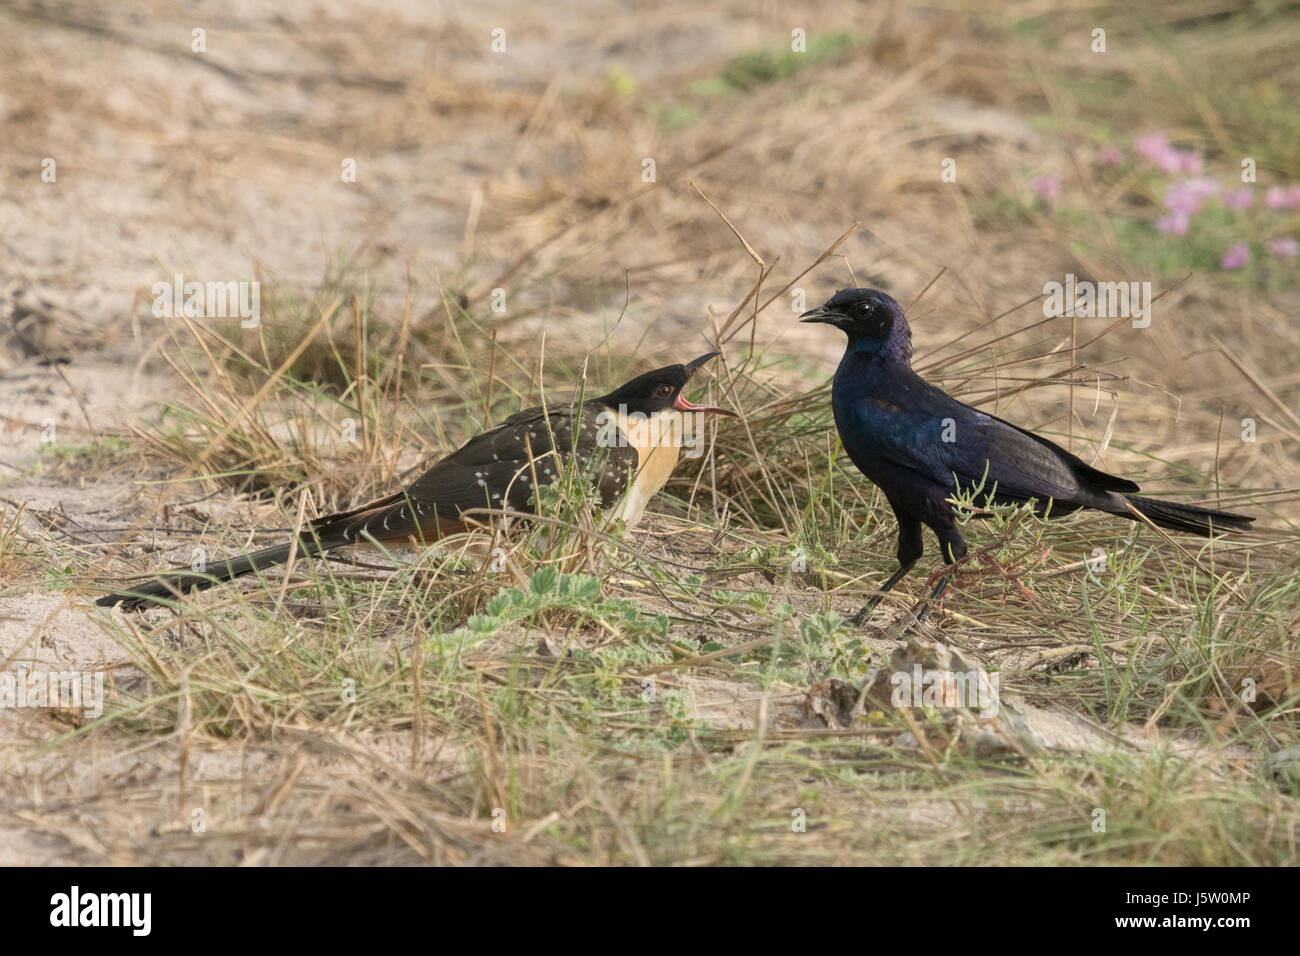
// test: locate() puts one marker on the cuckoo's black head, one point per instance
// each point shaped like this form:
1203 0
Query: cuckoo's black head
872 320
661 390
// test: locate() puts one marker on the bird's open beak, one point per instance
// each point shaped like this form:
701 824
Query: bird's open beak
682 405
821 314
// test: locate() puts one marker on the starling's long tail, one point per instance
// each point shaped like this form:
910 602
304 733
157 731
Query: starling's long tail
1177 517
180 580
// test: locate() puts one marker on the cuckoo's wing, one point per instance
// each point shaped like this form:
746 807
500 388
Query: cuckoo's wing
495 470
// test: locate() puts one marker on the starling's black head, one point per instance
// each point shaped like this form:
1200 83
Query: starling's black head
661 390
872 320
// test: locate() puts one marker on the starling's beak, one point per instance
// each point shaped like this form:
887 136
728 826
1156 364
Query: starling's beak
822 314
682 405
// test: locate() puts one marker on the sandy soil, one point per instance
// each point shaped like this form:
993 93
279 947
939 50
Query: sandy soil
226 164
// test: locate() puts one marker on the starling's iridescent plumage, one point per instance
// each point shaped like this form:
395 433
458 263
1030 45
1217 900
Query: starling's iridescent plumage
911 439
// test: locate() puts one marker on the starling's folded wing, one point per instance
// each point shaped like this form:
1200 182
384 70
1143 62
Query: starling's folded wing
937 437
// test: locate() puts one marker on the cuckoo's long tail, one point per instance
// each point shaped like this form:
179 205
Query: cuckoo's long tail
174 583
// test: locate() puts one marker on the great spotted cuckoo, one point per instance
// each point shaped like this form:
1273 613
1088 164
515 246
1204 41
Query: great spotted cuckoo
626 442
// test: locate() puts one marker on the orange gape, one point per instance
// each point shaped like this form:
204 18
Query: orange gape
496 471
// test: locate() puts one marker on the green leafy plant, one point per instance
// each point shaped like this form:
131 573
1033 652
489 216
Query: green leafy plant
551 594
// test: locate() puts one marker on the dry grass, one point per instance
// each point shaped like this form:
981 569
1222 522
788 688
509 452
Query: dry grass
654 699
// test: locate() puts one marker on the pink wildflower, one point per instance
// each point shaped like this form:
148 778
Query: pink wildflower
1190 162
1047 188
1109 156
1283 246
1155 148
1174 224
1189 195
1238 198
1277 197
1152 146
1236 257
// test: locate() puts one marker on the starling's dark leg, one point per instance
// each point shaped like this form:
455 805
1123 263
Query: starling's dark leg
910 549
953 548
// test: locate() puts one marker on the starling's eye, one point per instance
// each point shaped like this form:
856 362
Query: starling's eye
865 308
663 391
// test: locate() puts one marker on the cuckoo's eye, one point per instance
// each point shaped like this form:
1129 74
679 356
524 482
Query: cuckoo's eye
663 391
